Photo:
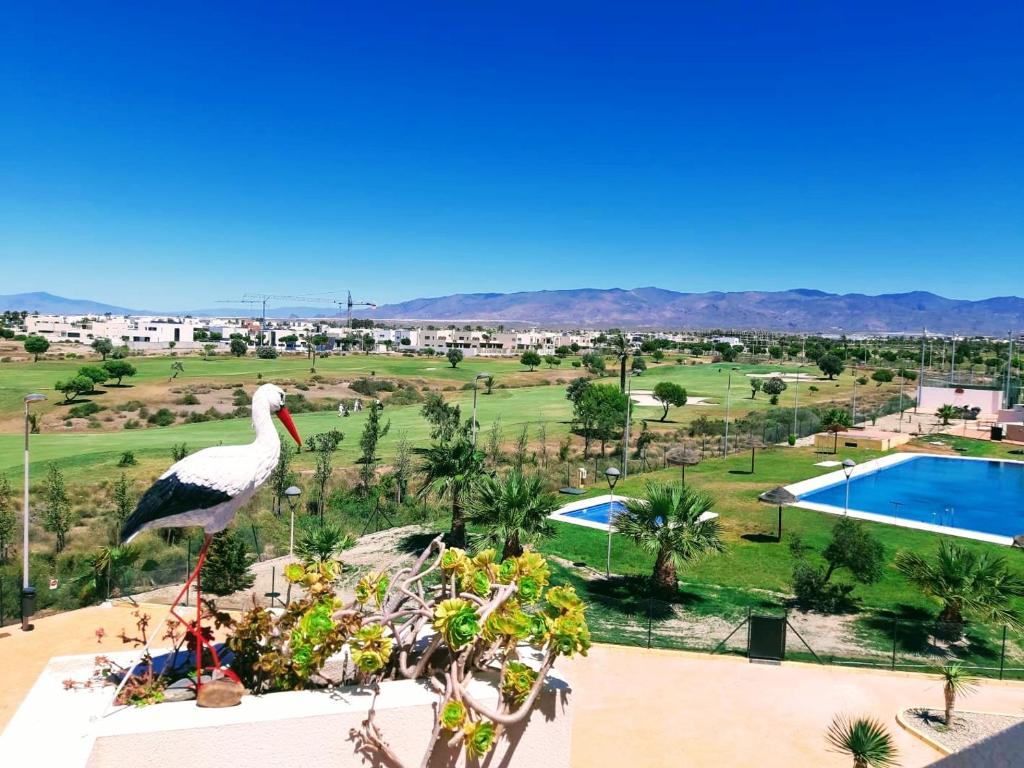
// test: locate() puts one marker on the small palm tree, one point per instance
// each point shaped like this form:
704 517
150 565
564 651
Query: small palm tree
107 570
966 583
865 740
452 470
618 345
957 681
322 543
670 524
513 512
947 412
835 420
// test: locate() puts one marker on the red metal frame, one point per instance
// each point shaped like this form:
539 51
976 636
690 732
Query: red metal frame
195 628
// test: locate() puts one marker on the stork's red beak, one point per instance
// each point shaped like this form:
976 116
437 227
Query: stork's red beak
286 419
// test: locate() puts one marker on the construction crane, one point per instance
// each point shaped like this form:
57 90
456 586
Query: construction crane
262 299
348 307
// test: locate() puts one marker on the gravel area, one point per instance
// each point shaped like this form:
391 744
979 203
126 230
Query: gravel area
967 729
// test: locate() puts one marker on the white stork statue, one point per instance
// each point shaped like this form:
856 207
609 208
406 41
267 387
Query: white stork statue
206 488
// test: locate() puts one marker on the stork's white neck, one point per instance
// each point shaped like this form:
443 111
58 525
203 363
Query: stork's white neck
263 423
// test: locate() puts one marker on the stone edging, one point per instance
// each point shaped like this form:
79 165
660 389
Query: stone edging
932 742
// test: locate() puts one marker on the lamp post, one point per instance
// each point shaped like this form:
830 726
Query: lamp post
796 401
625 427
612 476
475 380
848 465
28 594
292 492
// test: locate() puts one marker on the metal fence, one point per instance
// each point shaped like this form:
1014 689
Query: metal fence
862 640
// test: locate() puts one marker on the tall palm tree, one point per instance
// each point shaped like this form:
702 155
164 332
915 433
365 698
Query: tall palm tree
966 583
451 470
865 740
618 345
669 524
835 420
956 681
513 511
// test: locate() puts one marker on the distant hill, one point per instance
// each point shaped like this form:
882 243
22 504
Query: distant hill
794 310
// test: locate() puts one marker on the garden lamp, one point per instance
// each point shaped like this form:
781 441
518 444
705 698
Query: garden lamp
292 492
475 380
612 476
848 465
28 594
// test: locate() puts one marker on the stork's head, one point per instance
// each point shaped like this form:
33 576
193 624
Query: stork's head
271 397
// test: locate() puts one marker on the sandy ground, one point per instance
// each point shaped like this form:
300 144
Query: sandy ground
665 708
646 397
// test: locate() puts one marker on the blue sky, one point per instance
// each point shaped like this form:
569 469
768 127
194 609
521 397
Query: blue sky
171 156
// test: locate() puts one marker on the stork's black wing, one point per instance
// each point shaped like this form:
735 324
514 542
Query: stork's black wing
171 496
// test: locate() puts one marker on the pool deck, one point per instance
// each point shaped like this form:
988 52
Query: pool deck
559 515
884 462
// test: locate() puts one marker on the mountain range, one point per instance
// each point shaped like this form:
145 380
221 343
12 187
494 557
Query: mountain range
792 310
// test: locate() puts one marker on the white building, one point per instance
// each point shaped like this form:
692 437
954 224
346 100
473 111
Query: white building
138 333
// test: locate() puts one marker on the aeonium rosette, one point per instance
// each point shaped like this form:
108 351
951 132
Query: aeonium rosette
507 621
565 627
453 715
479 737
457 620
518 681
373 585
454 562
370 648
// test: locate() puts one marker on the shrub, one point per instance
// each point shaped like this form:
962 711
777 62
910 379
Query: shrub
84 410
227 565
127 459
240 397
266 353
371 387
162 418
405 395
187 399
132 424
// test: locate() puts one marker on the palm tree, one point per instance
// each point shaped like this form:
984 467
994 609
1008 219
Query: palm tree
966 583
865 740
671 525
107 568
513 511
835 420
322 543
618 345
947 412
452 469
956 681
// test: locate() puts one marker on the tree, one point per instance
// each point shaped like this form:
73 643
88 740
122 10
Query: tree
455 357
882 375
594 364
830 365
966 583
445 419
853 548
238 347
119 369
600 413
530 359
669 394
755 387
266 353
124 503
774 387
618 346
74 387
324 542
324 444
97 374
488 384
670 523
513 512
576 389
563 351
775 352
947 412
373 431
638 366
401 467
36 346
226 569
956 681
282 477
451 470
8 518
209 350
836 420
103 347
865 740
57 517
108 571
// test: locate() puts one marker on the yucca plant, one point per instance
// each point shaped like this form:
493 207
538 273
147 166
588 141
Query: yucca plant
957 681
322 543
865 740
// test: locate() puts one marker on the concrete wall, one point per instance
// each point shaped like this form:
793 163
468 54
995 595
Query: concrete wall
1003 750
989 400
312 729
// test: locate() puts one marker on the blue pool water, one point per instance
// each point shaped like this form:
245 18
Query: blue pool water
984 496
599 513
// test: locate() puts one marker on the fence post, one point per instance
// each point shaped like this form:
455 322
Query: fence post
256 543
895 629
1002 655
650 614
1 602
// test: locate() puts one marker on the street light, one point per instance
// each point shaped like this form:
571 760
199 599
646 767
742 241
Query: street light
28 594
292 492
475 380
848 465
612 476
728 393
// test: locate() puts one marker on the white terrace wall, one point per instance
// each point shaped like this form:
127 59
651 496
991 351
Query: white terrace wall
311 729
989 400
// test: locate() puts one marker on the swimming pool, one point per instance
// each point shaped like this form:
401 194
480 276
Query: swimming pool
977 498
597 513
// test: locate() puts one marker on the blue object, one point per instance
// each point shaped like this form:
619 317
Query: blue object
599 513
973 495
